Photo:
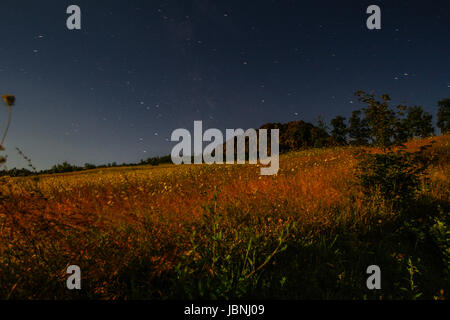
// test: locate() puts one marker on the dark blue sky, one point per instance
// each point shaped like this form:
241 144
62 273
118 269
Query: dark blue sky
138 70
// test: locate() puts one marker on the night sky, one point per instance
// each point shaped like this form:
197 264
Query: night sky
137 70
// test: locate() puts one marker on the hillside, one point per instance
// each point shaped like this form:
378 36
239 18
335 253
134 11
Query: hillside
224 231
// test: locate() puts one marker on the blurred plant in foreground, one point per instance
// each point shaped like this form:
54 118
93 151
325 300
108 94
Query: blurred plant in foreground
9 100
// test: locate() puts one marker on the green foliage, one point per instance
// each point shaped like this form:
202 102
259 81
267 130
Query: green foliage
426 230
227 264
412 290
420 225
440 234
396 176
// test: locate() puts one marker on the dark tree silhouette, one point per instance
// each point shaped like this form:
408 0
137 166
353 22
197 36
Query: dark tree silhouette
380 119
358 130
321 123
419 122
443 116
339 130
296 135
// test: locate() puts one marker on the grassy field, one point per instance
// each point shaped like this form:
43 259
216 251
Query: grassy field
224 231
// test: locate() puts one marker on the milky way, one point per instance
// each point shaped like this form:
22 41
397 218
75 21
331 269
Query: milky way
137 70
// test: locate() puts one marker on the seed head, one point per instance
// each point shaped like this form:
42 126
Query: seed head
9 99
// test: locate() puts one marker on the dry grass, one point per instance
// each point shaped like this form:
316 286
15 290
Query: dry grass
104 219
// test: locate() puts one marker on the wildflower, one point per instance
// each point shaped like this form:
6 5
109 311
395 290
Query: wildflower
9 99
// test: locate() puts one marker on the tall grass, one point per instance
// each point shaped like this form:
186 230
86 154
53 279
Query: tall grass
224 231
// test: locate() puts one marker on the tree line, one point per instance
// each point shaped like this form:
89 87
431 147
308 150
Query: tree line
382 126
67 167
376 124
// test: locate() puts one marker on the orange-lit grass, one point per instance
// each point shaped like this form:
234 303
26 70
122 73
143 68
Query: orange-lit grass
56 220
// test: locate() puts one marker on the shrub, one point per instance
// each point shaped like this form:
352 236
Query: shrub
395 175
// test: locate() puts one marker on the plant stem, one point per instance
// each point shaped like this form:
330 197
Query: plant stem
7 126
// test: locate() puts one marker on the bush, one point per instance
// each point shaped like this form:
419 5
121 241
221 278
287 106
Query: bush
396 175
